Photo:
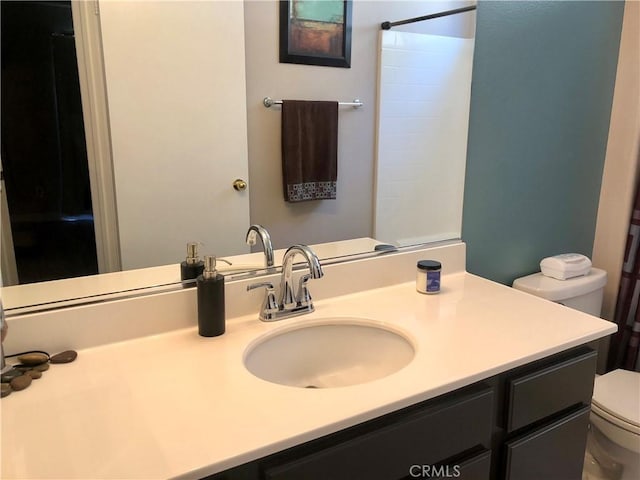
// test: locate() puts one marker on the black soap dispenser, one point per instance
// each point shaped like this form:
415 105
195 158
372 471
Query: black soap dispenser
211 319
192 266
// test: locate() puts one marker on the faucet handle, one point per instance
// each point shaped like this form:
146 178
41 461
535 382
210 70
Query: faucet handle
303 298
270 304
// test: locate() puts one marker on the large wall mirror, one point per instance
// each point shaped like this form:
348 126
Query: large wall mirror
96 190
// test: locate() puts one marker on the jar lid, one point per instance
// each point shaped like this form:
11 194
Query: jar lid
429 265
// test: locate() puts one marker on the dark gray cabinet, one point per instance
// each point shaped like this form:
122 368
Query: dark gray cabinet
555 451
527 423
547 408
547 390
423 437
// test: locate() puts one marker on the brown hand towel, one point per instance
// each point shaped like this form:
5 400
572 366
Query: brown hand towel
309 150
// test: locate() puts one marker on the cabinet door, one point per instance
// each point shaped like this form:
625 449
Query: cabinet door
555 451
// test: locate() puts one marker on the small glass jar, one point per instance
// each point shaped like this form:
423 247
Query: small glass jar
428 276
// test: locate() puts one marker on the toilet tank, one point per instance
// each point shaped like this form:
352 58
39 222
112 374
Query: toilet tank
582 293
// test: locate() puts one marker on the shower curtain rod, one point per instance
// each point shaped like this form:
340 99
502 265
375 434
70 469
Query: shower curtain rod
388 25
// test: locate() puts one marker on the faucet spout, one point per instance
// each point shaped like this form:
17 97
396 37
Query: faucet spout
288 299
252 234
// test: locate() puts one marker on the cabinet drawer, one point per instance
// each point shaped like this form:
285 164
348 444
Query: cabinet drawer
546 391
555 451
423 437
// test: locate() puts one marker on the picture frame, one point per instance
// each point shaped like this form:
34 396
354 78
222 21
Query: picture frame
316 32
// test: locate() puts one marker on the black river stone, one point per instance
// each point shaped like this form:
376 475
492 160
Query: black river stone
21 382
10 375
6 389
41 368
64 357
33 359
34 374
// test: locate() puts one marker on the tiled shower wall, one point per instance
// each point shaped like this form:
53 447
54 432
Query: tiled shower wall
423 112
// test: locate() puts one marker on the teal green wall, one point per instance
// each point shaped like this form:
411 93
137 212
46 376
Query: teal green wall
543 79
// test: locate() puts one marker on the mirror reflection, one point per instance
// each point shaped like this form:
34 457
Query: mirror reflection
185 121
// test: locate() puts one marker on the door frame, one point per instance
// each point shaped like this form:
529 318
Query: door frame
93 93
8 267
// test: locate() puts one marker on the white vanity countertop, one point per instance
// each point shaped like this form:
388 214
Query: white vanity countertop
179 405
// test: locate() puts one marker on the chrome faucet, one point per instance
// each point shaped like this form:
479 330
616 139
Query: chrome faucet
252 234
290 303
287 299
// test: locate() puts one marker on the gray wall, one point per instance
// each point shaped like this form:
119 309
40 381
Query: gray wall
541 98
351 214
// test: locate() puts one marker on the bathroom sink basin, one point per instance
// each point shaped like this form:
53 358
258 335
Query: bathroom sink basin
334 352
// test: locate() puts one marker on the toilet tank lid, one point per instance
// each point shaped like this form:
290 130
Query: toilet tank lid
557 290
618 392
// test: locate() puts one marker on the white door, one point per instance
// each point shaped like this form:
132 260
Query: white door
175 79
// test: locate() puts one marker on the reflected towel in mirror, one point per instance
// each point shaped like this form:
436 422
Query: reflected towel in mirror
309 150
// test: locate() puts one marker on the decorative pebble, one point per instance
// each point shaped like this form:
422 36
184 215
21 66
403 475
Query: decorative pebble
6 390
23 368
21 382
34 374
42 367
33 359
10 375
64 357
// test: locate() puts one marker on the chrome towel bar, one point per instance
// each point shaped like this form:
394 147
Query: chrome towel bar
268 102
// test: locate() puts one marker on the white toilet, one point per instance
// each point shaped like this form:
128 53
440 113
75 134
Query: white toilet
613 445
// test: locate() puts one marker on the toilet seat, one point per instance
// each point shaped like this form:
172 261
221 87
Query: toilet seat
614 407
617 421
618 394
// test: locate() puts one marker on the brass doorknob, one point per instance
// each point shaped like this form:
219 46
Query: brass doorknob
239 184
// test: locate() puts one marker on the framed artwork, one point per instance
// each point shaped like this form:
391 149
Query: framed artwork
316 32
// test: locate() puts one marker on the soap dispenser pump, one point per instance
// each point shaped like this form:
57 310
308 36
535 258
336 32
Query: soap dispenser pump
192 266
210 286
